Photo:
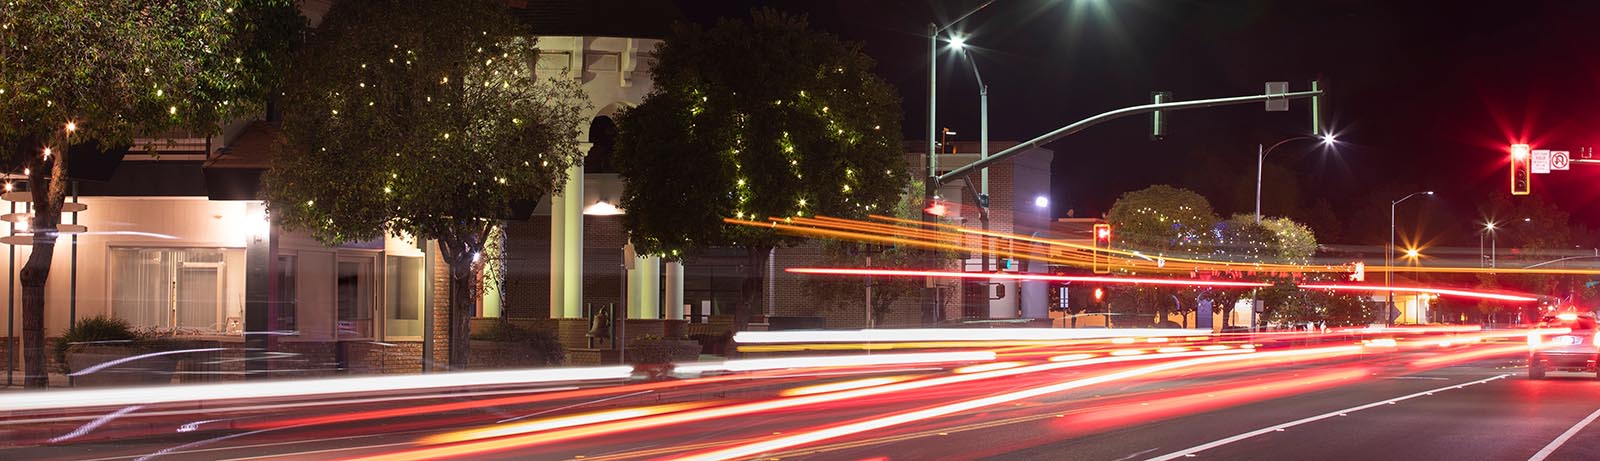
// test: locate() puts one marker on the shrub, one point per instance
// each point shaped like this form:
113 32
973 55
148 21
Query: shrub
100 328
546 349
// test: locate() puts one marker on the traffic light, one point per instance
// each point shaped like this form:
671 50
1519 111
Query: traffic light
1102 245
1099 295
1158 119
1521 170
936 208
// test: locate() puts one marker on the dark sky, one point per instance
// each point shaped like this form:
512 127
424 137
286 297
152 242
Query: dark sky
1423 95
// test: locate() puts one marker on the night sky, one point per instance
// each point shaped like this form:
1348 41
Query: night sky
1423 95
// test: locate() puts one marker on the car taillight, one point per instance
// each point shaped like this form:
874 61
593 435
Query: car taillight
1533 339
1596 340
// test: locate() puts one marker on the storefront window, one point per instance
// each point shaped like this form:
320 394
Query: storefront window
285 301
171 288
403 296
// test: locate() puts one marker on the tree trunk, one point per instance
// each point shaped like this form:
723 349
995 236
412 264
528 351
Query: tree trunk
750 291
46 184
34 275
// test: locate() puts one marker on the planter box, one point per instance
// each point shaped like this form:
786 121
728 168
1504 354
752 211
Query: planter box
142 371
497 354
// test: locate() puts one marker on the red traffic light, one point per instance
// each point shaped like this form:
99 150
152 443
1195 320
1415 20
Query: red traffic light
937 209
1102 247
1521 170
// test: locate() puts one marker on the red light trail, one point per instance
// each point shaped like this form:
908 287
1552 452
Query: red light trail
1152 281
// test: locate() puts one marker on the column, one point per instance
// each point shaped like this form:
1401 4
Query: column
558 269
632 290
649 287
572 243
674 290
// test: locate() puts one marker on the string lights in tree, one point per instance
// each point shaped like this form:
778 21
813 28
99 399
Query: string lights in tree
730 131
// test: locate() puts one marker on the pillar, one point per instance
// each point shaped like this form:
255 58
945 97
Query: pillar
674 290
572 244
632 285
260 290
558 230
644 288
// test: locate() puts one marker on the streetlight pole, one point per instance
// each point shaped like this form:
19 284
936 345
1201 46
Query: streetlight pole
1261 157
1388 259
933 96
930 306
983 145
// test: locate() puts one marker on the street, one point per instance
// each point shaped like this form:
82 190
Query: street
1308 396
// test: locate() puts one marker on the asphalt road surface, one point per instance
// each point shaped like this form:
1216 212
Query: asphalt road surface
1331 400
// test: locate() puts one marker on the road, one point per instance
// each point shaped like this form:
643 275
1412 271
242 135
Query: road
1333 398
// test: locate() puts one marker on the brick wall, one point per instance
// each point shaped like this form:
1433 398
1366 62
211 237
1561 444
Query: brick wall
603 239
527 285
304 358
387 357
441 314
527 288
794 297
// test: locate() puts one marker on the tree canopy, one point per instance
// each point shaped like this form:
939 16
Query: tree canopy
423 118
419 117
136 68
98 74
755 120
1163 219
751 120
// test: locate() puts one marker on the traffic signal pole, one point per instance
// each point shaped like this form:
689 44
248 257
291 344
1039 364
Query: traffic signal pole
935 180
930 314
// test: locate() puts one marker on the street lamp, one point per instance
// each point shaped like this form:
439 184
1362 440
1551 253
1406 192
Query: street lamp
1388 260
930 312
1261 157
959 43
933 80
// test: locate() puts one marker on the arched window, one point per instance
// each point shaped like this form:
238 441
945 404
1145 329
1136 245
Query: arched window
603 134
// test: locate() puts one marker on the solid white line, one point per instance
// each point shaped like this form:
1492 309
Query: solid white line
1188 452
1554 444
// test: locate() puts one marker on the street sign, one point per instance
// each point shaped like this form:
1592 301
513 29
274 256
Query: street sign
1560 160
1541 161
1277 104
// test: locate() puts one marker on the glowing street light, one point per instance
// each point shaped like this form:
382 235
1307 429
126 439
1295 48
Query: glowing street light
1327 139
1487 259
1388 275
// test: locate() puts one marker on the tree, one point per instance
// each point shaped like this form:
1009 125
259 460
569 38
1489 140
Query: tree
751 121
421 118
79 77
1294 243
1162 219
1241 239
844 292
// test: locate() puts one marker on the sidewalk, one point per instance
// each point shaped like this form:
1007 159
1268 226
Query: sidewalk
56 380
